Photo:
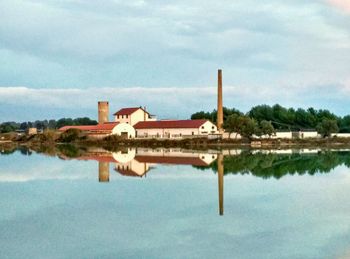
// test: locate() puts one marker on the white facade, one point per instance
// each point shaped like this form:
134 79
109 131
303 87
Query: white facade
134 117
308 134
341 135
204 130
124 129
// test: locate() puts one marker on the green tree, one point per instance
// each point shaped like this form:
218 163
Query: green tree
232 124
247 126
327 126
266 128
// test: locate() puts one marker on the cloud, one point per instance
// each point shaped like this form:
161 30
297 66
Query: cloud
341 4
48 44
269 50
165 102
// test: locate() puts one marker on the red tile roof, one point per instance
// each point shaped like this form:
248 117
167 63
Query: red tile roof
169 124
127 111
171 160
108 126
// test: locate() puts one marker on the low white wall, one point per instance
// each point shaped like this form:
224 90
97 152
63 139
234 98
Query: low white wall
341 135
308 134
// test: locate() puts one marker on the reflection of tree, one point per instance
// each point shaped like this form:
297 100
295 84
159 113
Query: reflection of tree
69 150
8 151
277 165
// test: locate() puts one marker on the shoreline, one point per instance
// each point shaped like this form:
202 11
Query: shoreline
334 143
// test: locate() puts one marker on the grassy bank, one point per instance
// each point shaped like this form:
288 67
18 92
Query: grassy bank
78 138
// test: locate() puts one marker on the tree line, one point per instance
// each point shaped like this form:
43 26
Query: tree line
45 124
265 120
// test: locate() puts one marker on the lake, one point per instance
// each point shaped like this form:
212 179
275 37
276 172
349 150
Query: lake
170 203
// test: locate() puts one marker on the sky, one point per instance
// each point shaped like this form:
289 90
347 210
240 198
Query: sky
58 58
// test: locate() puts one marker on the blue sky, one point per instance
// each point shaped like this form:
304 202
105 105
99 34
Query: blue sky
58 58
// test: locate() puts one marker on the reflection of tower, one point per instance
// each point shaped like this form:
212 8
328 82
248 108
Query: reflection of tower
221 183
103 172
220 115
103 112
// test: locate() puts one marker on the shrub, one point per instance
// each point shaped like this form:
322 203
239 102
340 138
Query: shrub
71 135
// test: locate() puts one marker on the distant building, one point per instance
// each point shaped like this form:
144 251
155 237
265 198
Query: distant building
32 131
174 128
133 115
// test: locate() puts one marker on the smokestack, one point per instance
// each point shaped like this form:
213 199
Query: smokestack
103 112
220 115
103 172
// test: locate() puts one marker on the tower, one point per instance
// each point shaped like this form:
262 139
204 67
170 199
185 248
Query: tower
220 115
103 112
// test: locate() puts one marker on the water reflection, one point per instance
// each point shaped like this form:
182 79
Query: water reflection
138 162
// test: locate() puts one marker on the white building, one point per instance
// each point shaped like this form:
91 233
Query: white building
104 129
174 129
133 115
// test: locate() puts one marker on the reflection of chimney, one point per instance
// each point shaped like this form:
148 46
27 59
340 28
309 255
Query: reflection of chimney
103 172
221 183
103 112
220 116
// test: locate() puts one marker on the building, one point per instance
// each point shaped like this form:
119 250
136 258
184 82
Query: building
133 115
104 129
175 129
32 131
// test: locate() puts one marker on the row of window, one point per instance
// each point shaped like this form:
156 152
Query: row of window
122 116
212 127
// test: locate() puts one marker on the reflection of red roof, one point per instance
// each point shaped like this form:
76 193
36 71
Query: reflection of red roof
128 172
171 160
169 124
107 126
127 111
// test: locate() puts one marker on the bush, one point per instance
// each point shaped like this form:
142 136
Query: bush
71 135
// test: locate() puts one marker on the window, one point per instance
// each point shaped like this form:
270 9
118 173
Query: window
127 116
212 127
117 116
192 133
202 127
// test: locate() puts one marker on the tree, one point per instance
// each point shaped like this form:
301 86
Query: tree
266 128
247 126
232 124
327 126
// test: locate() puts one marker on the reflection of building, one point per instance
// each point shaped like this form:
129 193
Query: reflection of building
103 171
137 162
221 183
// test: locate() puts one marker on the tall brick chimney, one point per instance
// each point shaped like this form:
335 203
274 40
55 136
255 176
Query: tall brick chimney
220 114
103 112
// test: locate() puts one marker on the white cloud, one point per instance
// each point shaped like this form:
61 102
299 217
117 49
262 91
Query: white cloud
166 102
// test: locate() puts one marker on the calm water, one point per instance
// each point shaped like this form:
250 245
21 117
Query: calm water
167 204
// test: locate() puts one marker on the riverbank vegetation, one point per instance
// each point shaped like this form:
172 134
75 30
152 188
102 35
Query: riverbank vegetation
12 126
265 119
